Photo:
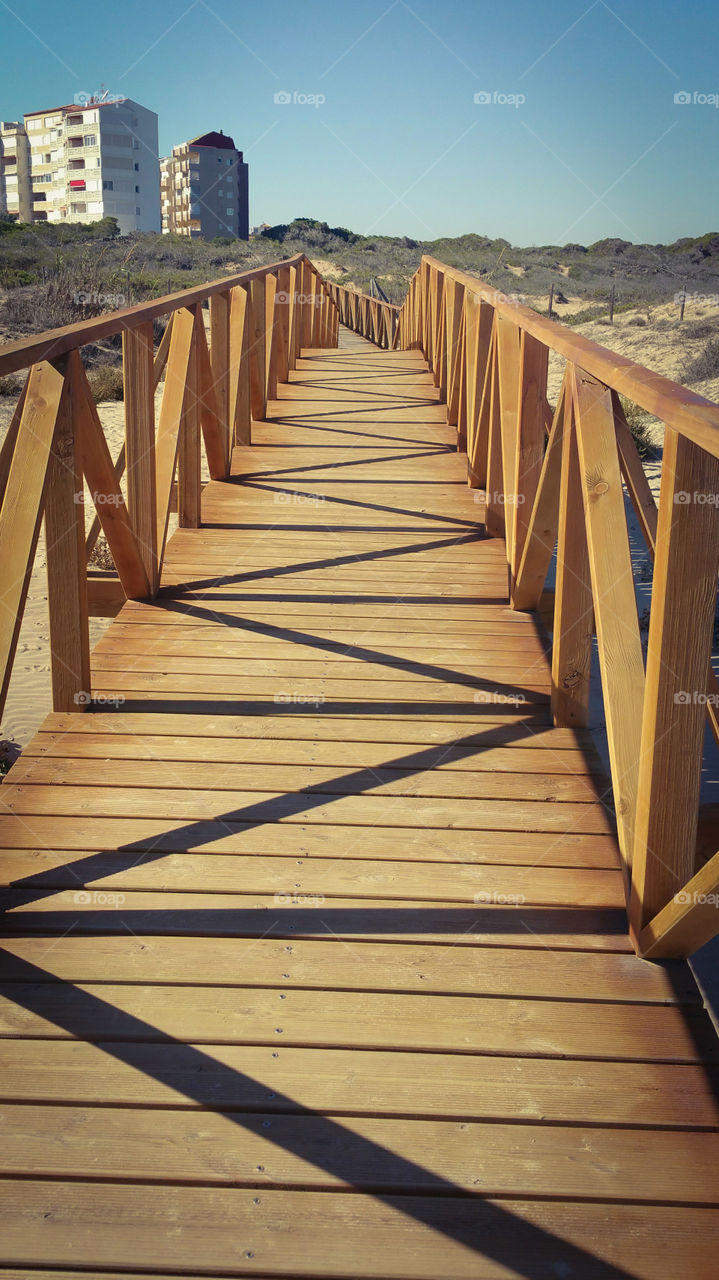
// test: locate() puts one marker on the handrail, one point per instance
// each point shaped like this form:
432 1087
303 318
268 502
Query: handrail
555 480
372 319
259 323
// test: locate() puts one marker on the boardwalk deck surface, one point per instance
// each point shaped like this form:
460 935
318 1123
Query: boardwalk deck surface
316 961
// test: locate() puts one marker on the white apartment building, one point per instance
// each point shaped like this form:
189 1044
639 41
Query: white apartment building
95 160
15 199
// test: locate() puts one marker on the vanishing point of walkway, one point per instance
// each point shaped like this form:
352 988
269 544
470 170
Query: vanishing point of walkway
316 959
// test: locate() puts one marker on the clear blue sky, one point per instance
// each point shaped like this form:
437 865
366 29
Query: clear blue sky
399 146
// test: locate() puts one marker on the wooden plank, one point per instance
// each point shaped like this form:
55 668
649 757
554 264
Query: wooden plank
531 440
508 390
272 321
680 638
7 449
247 806
400 1155
375 966
128 553
618 642
345 1082
573 624
302 1233
240 372
541 536
360 1019
22 506
220 377
65 557
189 485
258 350
171 413
213 424
140 379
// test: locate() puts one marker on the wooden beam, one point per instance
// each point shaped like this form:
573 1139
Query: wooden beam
65 555
139 381
541 535
572 627
618 641
689 919
189 459
22 505
680 638
168 429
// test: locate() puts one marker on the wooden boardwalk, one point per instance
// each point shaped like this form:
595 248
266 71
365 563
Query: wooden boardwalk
316 959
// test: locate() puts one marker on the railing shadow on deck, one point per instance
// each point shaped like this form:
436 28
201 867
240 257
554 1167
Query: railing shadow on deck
554 477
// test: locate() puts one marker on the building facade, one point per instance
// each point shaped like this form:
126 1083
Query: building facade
95 160
204 189
15 198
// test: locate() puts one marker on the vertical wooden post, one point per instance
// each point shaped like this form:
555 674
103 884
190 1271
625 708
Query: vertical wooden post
480 396
258 350
534 359
66 565
293 319
494 485
308 310
680 639
508 343
138 382
455 308
573 613
189 452
272 321
241 332
220 363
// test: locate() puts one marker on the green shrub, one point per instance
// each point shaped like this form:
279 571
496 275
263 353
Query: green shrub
705 365
638 421
106 383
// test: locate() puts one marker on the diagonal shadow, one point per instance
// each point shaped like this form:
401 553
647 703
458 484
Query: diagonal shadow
485 1227
454 521
243 477
376 657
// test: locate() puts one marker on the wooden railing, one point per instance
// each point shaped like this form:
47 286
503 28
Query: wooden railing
554 478
370 317
259 322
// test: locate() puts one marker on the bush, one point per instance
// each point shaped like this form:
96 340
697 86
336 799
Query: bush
9 386
105 383
638 422
705 365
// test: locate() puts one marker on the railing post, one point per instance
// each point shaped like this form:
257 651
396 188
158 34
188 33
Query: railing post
189 460
241 334
573 628
138 382
508 346
680 639
220 363
66 567
293 319
258 349
271 349
454 352
534 360
479 330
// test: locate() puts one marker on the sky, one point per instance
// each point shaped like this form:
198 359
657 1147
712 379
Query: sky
547 122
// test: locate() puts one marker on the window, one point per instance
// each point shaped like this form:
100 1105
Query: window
230 212
107 184
137 210
47 157
77 208
77 119
90 140
137 190
137 167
